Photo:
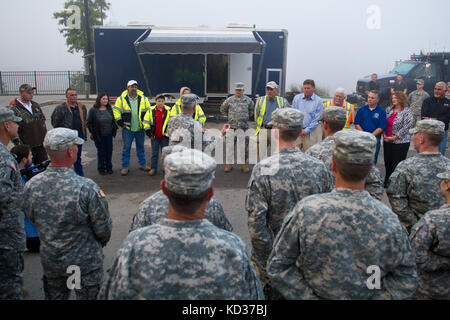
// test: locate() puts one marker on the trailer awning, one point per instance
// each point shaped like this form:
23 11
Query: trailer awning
199 41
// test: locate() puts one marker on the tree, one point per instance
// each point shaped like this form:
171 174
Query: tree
76 38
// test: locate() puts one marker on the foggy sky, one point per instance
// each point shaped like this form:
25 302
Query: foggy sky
328 41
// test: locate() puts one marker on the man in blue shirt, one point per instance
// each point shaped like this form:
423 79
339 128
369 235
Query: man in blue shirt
311 105
372 118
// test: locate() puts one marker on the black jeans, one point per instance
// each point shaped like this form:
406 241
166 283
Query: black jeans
393 155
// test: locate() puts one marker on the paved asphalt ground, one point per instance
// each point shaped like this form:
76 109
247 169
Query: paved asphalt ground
124 194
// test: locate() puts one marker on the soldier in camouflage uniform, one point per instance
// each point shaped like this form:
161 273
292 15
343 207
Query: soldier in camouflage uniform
155 208
183 256
413 187
276 185
333 120
239 108
183 129
12 232
415 100
72 218
328 241
430 241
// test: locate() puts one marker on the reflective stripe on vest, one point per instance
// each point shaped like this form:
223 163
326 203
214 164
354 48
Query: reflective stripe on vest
262 111
348 109
125 108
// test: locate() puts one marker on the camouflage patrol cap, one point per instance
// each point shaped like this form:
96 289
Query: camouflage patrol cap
189 172
287 118
445 175
6 114
429 126
239 86
333 114
354 146
189 100
171 149
61 138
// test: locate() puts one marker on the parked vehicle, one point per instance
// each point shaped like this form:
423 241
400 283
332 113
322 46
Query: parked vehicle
430 67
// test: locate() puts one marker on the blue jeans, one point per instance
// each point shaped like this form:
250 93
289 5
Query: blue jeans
128 137
156 145
77 165
443 145
377 150
104 153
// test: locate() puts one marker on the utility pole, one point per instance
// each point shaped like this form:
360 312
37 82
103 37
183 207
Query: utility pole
89 66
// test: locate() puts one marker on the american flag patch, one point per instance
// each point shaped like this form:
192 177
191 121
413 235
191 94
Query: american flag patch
13 165
102 194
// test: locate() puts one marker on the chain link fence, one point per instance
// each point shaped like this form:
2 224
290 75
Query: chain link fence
46 82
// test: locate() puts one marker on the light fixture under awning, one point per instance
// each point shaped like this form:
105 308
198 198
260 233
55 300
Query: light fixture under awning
207 41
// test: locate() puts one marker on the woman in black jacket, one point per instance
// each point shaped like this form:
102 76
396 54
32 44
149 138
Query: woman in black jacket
103 128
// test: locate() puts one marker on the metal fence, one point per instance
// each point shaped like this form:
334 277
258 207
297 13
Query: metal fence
46 82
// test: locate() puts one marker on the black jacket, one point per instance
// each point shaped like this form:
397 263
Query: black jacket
62 117
93 124
431 108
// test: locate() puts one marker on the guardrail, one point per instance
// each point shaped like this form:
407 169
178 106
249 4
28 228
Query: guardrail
46 82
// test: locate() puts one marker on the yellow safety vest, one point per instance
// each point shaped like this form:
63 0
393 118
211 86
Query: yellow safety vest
150 116
122 110
198 115
348 108
262 111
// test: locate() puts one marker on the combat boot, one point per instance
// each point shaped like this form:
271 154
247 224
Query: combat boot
228 168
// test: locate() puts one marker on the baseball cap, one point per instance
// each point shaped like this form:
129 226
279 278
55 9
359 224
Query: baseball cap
354 146
429 126
131 82
189 100
6 114
239 86
272 84
61 138
287 118
26 87
446 174
333 114
189 172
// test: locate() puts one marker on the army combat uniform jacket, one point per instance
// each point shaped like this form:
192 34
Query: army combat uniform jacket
72 218
182 260
328 242
276 185
324 151
413 187
430 241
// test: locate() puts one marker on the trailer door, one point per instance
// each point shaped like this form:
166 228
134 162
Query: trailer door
217 73
241 71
